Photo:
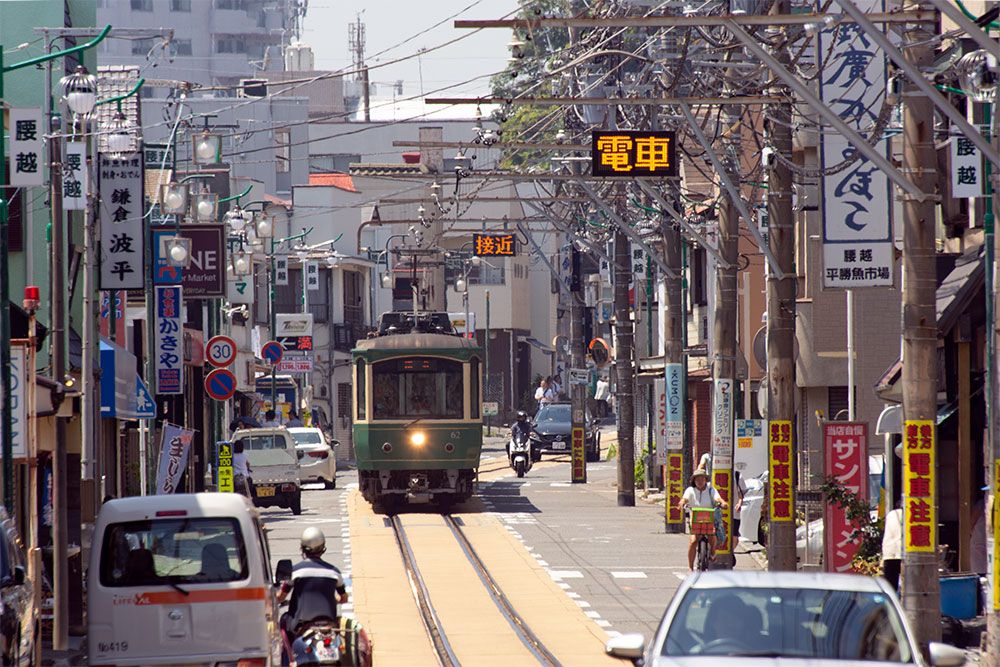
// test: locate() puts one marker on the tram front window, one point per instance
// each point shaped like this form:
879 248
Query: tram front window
417 387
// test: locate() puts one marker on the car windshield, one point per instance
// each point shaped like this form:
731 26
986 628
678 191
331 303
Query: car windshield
307 437
787 622
553 413
173 551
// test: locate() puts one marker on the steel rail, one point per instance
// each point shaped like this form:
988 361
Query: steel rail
520 627
432 624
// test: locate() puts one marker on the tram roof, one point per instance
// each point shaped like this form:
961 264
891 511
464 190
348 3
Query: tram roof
417 342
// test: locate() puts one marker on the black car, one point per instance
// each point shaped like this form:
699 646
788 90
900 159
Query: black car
19 613
552 427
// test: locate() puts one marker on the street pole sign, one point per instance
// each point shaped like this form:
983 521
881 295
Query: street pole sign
220 384
205 276
169 357
845 445
76 179
26 143
122 240
225 467
271 352
294 332
220 351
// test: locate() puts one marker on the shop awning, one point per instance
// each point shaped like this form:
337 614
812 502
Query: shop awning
121 387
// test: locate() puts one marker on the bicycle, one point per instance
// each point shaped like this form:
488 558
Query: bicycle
702 525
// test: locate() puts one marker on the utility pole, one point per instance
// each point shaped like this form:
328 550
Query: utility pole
625 375
60 519
674 320
578 392
991 651
781 313
921 592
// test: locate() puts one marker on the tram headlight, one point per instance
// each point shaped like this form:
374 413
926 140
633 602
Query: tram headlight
418 438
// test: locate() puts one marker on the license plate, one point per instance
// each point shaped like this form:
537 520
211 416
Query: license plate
558 444
265 491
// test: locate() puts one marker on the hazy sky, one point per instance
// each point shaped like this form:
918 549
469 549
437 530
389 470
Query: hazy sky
389 22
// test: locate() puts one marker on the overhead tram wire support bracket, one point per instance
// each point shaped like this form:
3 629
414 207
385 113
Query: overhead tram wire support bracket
237 197
626 229
666 208
538 250
733 191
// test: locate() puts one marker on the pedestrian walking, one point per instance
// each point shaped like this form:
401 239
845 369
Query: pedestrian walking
892 547
241 471
293 420
544 393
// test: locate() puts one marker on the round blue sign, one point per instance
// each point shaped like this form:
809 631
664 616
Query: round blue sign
220 384
271 352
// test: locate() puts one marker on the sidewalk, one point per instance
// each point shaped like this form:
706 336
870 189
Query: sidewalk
75 655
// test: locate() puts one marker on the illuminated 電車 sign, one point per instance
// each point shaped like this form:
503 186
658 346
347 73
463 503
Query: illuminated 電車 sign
494 245
633 153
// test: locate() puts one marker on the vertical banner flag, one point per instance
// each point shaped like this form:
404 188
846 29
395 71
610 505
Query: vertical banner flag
175 446
845 445
312 276
722 453
857 224
660 432
76 180
280 270
169 354
18 400
122 240
26 146
966 169
780 476
919 473
675 487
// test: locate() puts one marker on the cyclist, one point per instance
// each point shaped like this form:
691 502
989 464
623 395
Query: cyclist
702 499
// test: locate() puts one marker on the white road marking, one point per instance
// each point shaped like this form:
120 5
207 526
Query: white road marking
575 596
542 563
563 585
565 574
567 484
583 604
680 576
602 623
592 614
628 575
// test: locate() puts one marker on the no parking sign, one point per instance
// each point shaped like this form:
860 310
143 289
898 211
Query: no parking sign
220 384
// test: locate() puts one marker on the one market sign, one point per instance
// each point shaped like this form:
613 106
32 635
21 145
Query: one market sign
205 276
633 153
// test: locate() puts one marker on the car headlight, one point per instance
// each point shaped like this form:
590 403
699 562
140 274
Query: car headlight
418 438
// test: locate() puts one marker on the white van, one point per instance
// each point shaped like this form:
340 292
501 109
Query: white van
274 467
182 579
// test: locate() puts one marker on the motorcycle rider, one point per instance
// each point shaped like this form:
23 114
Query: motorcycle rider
520 427
316 586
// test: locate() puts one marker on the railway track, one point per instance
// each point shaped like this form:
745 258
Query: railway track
435 631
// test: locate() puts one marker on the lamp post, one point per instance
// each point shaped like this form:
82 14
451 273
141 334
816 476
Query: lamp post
270 298
5 385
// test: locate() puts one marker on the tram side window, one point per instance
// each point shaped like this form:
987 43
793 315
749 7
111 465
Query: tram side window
409 388
359 385
474 387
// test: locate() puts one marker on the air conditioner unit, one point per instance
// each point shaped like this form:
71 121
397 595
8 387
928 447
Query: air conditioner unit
253 88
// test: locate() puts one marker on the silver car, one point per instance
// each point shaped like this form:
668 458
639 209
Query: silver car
792 618
317 460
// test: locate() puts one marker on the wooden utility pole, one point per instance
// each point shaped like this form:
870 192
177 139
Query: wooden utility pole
991 650
724 325
624 372
781 314
673 324
921 591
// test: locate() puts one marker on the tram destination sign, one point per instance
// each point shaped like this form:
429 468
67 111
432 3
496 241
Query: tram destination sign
633 153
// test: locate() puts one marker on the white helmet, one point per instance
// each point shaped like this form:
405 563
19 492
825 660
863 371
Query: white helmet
313 542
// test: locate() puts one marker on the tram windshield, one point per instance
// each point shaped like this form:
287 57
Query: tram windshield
417 387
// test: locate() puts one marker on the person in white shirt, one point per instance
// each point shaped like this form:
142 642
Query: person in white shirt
545 393
700 495
892 547
241 470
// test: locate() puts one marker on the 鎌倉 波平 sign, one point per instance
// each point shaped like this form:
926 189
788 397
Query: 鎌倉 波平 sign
122 240
169 355
857 224
26 143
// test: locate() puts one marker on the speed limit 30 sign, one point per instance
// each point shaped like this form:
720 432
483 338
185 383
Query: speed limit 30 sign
221 351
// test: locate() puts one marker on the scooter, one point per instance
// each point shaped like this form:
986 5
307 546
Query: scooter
520 453
327 642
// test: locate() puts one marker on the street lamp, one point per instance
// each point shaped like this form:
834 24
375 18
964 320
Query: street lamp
242 262
178 251
235 220
205 206
120 136
265 227
207 148
79 91
174 198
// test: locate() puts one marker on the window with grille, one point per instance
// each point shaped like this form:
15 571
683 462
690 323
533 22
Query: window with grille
288 298
836 401
142 5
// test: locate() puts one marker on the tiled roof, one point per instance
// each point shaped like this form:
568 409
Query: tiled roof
337 180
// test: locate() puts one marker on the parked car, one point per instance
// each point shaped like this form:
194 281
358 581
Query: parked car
317 459
552 429
791 618
274 467
19 612
181 579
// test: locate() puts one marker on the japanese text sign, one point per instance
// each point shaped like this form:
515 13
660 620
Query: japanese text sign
168 353
579 456
494 245
857 224
76 177
722 424
633 153
966 168
781 469
18 372
846 448
675 487
26 144
675 407
105 326
239 289
919 481
120 210
722 480
225 467
312 276
280 270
